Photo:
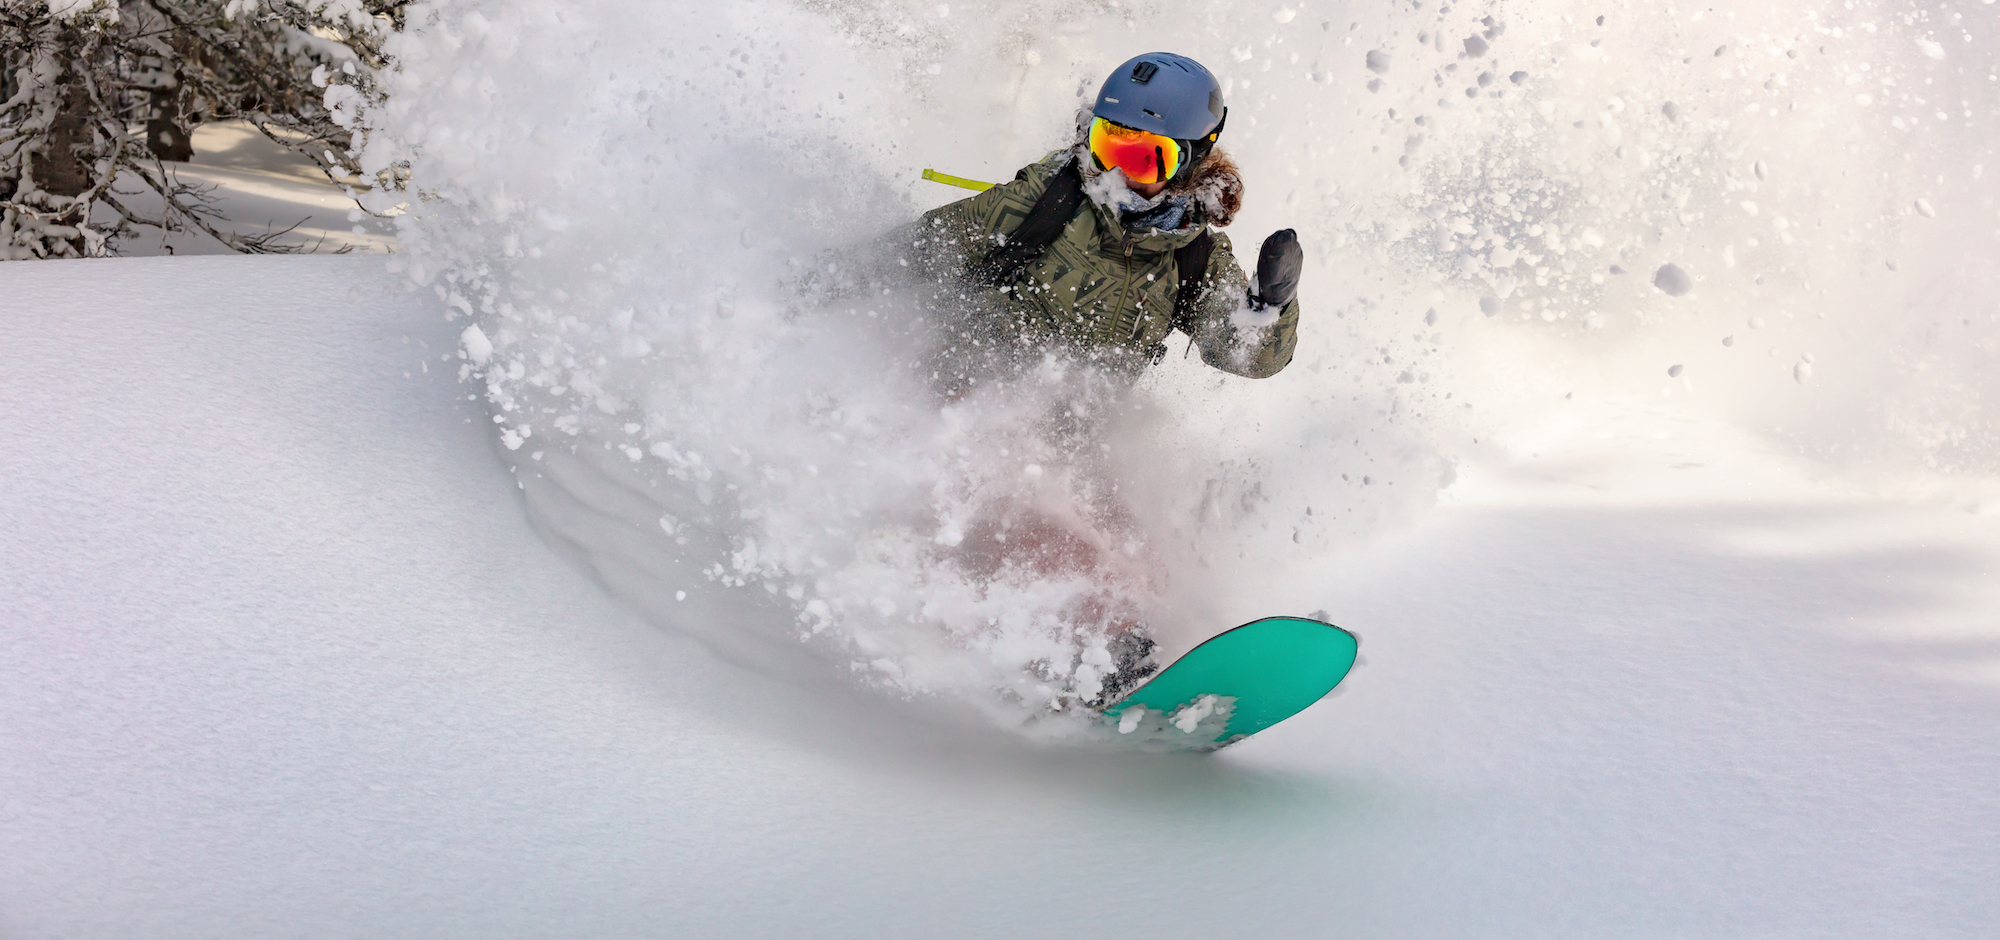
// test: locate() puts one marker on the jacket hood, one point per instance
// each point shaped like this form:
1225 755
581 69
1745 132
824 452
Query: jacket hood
1216 186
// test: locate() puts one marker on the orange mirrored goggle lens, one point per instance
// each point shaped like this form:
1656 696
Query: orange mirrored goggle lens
1145 157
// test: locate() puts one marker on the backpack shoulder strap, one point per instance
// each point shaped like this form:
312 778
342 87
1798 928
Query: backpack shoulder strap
1191 260
1053 210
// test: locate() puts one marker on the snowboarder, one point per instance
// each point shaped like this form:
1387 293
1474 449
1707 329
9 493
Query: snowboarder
1107 247
1095 255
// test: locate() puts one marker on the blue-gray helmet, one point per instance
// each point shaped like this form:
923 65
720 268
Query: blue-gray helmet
1166 94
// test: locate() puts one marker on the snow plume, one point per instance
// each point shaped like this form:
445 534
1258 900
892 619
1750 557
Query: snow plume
1739 207
634 204
1781 214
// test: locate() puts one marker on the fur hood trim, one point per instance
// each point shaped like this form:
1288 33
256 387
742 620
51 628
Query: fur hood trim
1217 185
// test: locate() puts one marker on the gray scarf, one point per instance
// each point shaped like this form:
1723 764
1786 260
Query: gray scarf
1169 216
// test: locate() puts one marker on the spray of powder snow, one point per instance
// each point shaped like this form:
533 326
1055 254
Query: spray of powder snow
1782 216
1764 213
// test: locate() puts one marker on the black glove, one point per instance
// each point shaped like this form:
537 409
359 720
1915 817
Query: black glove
1278 266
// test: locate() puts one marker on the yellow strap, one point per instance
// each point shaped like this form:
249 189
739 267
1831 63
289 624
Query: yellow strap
949 180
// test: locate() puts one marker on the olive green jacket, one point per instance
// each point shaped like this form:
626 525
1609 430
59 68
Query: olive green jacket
1101 288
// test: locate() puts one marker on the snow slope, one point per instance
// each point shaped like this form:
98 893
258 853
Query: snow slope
259 188
284 657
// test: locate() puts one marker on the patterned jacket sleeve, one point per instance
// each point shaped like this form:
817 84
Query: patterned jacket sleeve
1232 337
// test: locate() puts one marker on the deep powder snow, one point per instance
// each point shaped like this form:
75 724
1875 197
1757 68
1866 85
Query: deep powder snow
283 657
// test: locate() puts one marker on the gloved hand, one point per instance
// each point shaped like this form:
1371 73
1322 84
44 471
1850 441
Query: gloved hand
1278 266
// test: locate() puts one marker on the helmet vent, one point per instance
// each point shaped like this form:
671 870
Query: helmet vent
1154 113
1143 73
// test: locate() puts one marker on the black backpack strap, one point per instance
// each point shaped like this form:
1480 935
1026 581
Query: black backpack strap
1191 260
1053 210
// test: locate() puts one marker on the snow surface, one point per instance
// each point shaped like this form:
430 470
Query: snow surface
284 657
260 189
1679 609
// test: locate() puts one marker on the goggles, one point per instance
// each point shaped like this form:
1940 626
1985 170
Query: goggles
1145 157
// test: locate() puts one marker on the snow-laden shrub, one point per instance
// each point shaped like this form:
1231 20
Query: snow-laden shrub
100 96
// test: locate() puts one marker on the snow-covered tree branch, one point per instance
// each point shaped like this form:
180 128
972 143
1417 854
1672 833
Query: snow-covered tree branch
98 99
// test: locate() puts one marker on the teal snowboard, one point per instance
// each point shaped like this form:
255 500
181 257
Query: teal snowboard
1237 684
